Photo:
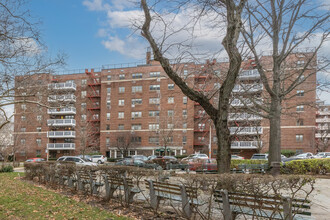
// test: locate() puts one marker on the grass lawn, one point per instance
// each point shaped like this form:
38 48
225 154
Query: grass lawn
21 200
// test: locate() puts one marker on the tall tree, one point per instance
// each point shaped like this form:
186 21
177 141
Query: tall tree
219 114
287 26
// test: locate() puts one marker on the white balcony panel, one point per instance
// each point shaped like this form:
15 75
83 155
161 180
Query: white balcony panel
246 144
61 122
249 74
62 111
245 130
243 117
62 86
243 102
62 98
61 134
61 146
248 88
323 120
323 113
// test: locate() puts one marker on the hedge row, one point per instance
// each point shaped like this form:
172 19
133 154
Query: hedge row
6 169
235 163
307 166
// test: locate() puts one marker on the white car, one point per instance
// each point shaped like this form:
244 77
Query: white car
305 156
79 161
236 157
322 155
98 159
195 156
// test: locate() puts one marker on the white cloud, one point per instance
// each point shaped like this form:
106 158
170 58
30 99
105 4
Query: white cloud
95 5
129 47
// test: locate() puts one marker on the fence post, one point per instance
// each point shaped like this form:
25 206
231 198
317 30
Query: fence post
154 200
287 208
185 202
226 205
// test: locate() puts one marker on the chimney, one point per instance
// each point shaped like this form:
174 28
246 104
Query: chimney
148 56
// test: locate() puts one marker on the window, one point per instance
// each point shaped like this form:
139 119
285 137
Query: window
108 127
136 126
38 141
83 117
121 102
170 126
154 87
170 139
107 140
217 85
120 114
38 129
170 100
23 107
136 101
121 127
300 122
108 90
122 76
300 62
153 113
201 126
170 86
300 108
23 118
185 72
108 77
83 94
83 82
108 115
300 92
170 113
136 140
215 139
39 117
23 141
153 139
185 100
200 139
184 139
154 74
96 117
83 106
184 113
121 89
23 129
136 75
154 100
153 126
38 152
299 138
136 115
136 88
184 125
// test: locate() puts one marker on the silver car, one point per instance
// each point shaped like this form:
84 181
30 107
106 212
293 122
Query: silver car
79 161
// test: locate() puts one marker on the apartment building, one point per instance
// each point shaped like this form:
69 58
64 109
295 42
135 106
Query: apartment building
322 134
137 109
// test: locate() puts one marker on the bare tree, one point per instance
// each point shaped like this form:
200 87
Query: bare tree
218 114
323 139
278 23
126 141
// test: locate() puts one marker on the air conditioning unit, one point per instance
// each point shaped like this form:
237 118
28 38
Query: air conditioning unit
133 106
158 79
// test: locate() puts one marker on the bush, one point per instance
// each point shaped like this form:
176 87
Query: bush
112 160
235 163
307 166
6 169
288 153
180 156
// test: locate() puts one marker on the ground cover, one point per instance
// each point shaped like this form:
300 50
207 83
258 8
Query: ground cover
22 200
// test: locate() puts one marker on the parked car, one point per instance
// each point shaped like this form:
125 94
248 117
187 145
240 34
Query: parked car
140 157
259 157
98 159
194 156
305 156
35 160
163 160
79 161
322 155
152 157
236 157
86 157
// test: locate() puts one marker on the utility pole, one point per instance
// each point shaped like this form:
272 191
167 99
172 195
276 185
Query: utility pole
210 141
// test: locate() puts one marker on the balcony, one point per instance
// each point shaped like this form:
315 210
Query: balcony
323 120
246 144
62 98
324 135
323 112
243 117
248 88
243 102
61 122
249 74
61 146
68 86
61 111
61 134
245 130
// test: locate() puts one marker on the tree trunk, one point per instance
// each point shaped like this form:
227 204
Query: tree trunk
223 155
275 133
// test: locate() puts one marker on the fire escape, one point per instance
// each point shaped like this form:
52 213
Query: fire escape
93 107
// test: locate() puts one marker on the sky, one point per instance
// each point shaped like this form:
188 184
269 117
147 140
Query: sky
93 33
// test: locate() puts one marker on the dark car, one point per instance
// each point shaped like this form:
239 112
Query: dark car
35 160
163 160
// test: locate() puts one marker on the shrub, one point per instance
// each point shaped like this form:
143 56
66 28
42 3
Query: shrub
180 156
235 163
6 169
288 153
307 166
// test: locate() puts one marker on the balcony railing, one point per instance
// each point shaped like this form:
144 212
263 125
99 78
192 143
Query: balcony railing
61 134
62 111
249 74
61 146
62 86
246 144
318 135
243 117
323 112
242 102
61 122
248 88
323 120
245 130
62 98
